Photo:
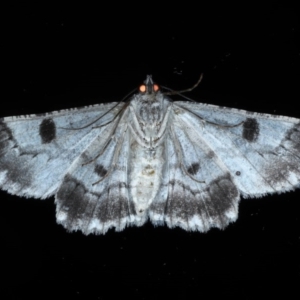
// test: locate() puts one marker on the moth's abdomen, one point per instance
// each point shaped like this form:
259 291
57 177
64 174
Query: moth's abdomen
145 175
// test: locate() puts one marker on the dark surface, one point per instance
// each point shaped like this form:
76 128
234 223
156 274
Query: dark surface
62 57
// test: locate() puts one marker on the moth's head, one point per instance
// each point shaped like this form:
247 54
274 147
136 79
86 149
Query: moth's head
149 87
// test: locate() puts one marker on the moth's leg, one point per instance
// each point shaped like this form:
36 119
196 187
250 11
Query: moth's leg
150 142
163 127
136 123
142 139
139 139
101 152
136 130
112 135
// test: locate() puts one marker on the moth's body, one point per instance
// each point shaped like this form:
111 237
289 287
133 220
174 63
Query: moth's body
176 163
148 128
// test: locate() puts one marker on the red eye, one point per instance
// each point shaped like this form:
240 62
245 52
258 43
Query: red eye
142 88
155 87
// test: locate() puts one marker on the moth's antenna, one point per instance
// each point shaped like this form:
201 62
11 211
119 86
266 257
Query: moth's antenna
210 122
124 98
94 121
186 90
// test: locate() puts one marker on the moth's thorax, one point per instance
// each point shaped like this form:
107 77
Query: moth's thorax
150 111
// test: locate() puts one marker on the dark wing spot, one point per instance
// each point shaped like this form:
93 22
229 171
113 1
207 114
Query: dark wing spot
211 154
47 131
100 170
193 169
250 130
237 173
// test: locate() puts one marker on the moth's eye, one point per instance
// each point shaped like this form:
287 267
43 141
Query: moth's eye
142 88
155 87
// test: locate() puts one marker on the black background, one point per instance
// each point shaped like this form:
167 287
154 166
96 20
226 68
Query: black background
59 57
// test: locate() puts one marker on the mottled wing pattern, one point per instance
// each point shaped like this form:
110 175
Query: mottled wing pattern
36 151
261 151
93 196
198 191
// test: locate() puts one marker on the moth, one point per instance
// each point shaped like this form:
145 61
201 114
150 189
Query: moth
178 163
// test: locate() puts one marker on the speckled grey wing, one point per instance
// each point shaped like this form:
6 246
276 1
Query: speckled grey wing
260 151
197 191
36 151
93 196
